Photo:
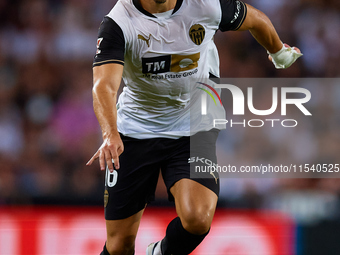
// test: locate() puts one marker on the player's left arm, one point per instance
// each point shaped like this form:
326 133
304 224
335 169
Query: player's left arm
262 29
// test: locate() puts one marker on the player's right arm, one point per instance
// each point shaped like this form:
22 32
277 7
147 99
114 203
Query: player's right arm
107 75
239 16
106 82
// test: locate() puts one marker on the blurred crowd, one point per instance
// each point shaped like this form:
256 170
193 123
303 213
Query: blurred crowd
48 130
306 191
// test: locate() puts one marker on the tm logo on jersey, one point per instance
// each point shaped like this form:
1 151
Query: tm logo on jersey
170 63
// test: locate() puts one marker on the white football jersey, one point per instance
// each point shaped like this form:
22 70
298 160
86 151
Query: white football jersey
167 62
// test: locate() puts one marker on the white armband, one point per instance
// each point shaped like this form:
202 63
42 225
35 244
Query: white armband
285 57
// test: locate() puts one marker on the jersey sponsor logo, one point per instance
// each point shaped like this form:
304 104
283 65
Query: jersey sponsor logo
181 63
170 63
147 40
99 41
197 33
156 64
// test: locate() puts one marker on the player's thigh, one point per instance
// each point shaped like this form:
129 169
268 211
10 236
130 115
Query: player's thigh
186 155
130 188
195 205
122 233
195 194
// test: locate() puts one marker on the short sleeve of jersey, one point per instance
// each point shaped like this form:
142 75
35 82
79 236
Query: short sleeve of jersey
110 43
233 14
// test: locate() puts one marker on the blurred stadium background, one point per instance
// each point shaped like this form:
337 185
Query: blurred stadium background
51 203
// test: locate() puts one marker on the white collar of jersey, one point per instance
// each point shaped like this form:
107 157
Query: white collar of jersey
163 15
139 7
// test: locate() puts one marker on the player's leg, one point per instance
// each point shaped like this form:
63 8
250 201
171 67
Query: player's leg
127 191
121 235
195 206
195 196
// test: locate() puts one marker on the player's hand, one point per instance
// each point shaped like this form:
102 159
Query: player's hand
110 150
285 44
285 57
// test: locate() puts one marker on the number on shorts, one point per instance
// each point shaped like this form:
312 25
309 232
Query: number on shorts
111 178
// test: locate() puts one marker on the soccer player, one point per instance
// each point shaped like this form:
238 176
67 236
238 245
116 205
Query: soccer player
159 48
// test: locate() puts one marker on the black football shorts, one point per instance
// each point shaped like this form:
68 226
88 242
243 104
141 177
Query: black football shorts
129 189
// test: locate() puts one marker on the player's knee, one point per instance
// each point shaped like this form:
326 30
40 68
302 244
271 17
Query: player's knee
121 250
197 222
121 246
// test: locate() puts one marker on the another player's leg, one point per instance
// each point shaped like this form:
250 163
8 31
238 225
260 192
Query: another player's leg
121 235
